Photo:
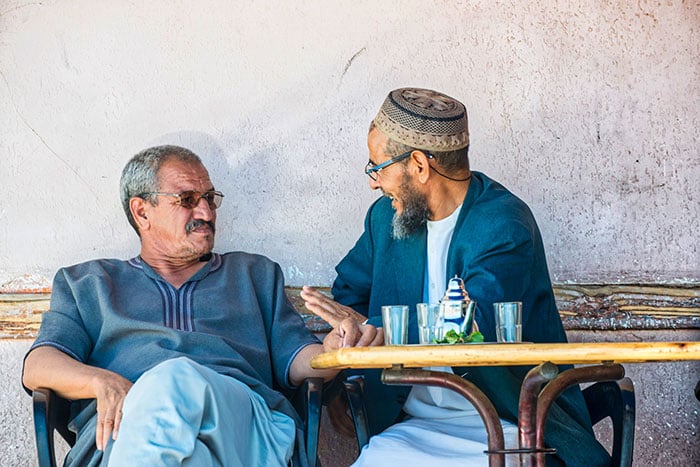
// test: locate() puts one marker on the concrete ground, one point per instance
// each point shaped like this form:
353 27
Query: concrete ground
17 446
16 432
667 426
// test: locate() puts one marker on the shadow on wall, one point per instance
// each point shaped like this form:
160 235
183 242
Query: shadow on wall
245 180
277 190
215 159
204 145
250 183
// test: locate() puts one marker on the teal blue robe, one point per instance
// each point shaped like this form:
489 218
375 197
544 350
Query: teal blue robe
231 316
497 250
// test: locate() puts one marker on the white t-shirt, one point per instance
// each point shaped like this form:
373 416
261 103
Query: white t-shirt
439 238
433 401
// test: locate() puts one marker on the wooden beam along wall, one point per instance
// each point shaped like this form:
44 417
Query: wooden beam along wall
582 307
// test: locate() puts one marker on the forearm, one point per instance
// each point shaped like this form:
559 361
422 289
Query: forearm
50 368
348 333
301 366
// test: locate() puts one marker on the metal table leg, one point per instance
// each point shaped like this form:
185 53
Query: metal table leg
585 374
533 406
398 375
527 410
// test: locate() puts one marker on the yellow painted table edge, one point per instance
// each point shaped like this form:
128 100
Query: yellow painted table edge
493 354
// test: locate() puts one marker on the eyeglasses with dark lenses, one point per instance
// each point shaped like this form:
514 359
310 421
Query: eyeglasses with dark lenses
373 170
190 199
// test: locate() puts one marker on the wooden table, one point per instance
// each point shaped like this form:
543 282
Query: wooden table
401 366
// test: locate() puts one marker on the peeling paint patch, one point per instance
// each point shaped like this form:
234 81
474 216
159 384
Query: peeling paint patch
26 284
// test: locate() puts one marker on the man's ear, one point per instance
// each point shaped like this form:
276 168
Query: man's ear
421 166
137 206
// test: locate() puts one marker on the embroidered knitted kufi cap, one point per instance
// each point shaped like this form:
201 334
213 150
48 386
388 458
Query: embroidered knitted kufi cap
424 119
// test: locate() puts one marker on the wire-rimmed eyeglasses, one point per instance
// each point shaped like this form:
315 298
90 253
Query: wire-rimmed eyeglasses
190 199
373 170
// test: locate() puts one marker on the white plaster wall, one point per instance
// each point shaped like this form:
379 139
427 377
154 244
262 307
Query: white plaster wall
588 110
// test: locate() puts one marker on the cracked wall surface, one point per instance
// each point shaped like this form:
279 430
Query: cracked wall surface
587 111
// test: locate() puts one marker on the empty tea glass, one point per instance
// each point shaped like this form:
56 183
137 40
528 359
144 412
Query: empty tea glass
429 322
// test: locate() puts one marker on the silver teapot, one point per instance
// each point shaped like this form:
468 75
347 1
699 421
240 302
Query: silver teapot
456 308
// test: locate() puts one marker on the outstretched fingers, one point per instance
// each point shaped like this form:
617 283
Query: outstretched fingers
329 310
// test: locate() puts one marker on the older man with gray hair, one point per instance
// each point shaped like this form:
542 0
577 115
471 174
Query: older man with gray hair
439 219
175 356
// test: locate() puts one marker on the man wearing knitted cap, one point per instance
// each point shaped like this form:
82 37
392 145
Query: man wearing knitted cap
438 219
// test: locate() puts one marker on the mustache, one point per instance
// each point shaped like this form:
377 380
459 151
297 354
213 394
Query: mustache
196 223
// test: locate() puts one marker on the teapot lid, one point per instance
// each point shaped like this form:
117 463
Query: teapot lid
455 290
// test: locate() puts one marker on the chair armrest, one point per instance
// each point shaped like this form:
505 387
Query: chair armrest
354 387
308 401
43 431
51 413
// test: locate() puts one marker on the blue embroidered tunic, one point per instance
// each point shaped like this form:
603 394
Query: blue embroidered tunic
232 316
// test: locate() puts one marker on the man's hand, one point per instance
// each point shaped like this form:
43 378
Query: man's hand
48 367
331 311
110 391
350 333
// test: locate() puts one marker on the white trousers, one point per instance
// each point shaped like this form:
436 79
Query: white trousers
182 413
443 430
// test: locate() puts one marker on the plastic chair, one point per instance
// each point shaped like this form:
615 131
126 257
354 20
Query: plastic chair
614 399
354 390
51 414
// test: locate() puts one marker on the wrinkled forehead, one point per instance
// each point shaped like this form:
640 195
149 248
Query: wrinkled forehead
176 175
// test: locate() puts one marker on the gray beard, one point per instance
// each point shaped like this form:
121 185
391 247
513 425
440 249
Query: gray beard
415 212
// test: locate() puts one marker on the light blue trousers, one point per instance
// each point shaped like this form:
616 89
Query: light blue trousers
182 413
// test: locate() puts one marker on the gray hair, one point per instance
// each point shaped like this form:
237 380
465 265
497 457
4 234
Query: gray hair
140 175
